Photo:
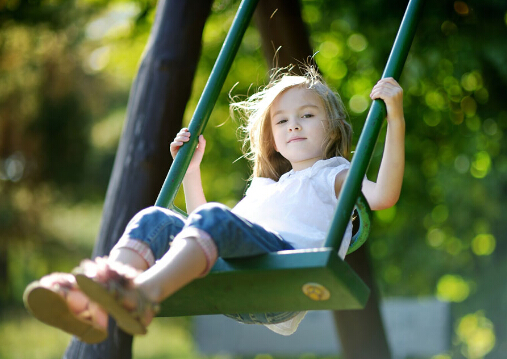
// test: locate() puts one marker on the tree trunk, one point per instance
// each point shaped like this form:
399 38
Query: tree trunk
284 36
361 332
155 110
285 41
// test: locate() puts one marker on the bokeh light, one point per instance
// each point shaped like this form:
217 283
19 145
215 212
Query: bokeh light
462 163
358 103
99 58
468 106
357 42
452 288
432 118
483 244
330 49
435 237
435 100
471 81
461 7
481 164
448 28
476 334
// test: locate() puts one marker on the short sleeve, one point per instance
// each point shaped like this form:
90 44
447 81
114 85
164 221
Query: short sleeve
327 174
323 178
333 172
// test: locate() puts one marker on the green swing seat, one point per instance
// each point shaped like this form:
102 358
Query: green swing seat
312 279
284 281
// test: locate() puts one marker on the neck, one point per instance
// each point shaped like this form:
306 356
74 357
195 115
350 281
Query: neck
299 166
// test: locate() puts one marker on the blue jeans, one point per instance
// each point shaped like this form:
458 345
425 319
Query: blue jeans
234 237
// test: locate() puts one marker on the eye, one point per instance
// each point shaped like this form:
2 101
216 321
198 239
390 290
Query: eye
281 121
307 115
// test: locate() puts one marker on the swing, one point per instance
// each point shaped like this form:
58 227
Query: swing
295 280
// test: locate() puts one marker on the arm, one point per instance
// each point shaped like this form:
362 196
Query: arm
386 191
192 185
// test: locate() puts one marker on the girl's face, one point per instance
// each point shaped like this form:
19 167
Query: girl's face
298 123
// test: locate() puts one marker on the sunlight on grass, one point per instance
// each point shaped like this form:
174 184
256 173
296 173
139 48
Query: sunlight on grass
22 337
167 337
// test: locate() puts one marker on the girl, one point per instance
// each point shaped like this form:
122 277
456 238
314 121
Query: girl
299 142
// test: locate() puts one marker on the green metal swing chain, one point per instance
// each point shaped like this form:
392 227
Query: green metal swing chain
364 150
206 103
352 185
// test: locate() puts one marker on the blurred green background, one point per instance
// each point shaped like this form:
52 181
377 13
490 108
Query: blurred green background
66 67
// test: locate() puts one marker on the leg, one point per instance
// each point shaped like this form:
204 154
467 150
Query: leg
210 231
147 237
71 310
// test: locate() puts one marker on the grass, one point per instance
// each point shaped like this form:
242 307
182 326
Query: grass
23 337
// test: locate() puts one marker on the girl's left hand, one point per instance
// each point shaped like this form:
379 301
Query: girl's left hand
391 92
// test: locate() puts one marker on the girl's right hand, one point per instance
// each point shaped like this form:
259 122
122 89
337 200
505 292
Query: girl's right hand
182 137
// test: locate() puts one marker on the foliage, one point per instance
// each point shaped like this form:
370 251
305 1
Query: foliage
65 71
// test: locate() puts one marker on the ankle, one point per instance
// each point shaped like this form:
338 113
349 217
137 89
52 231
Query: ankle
152 292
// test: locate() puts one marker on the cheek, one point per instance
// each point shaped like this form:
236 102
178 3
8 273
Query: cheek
274 143
274 138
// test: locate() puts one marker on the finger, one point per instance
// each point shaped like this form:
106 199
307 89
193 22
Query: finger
385 86
176 144
202 143
182 138
377 93
388 80
389 83
385 90
174 148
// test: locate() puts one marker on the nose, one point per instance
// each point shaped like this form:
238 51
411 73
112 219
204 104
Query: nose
294 126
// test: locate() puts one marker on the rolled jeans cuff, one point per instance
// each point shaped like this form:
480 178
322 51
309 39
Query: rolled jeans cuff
137 246
204 240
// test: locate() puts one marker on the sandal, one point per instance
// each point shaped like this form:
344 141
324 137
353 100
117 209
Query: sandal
110 290
53 300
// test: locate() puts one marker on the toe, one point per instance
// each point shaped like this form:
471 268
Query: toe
77 301
98 315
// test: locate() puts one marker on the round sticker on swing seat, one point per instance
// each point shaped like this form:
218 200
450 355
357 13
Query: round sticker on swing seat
316 291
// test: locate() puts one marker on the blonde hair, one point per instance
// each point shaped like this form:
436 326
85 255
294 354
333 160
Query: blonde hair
259 145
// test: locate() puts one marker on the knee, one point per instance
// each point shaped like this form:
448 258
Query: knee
153 214
212 210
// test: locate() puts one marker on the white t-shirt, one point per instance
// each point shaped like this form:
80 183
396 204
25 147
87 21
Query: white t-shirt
299 207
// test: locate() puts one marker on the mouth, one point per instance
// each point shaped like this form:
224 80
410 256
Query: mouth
296 139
